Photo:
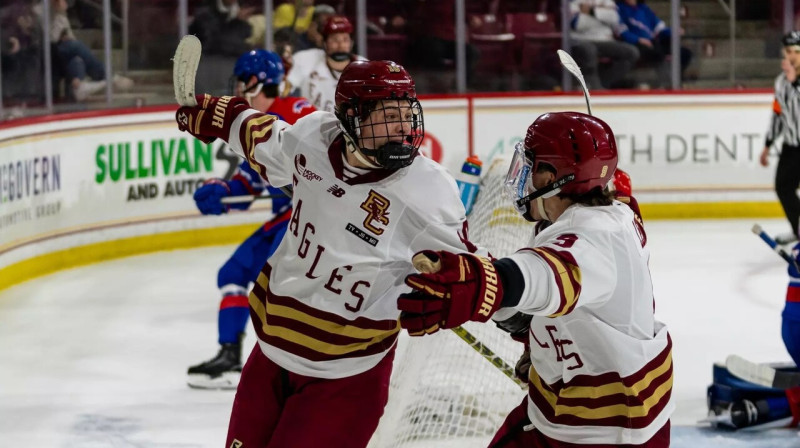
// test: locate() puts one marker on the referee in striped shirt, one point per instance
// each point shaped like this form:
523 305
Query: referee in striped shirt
786 122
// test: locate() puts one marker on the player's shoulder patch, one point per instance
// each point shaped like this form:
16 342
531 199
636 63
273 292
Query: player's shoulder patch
301 106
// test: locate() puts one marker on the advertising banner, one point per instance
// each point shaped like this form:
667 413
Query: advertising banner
83 174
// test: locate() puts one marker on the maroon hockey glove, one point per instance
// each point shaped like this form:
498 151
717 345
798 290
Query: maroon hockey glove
457 288
211 118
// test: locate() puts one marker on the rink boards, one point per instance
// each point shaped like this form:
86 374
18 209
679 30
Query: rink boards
80 188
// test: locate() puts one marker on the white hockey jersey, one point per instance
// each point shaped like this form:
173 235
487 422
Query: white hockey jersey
601 364
325 304
316 81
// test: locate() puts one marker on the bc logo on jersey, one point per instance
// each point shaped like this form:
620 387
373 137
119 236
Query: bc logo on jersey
377 208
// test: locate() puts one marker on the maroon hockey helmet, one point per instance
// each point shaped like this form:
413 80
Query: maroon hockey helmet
363 81
581 148
362 85
337 24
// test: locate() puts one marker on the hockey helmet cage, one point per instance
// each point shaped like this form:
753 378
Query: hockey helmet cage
362 85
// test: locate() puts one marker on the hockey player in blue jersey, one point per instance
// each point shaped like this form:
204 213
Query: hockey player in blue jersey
747 394
257 76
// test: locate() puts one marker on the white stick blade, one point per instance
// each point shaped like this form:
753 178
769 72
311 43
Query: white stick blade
569 63
750 371
184 69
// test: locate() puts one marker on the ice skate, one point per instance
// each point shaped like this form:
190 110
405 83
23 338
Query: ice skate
220 372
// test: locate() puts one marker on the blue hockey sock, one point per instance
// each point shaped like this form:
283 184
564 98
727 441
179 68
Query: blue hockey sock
232 320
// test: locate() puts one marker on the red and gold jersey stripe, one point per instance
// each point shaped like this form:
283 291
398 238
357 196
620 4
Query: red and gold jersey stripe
634 401
316 335
256 129
567 276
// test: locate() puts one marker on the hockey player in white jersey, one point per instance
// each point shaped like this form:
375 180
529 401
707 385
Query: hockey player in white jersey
316 71
324 307
600 364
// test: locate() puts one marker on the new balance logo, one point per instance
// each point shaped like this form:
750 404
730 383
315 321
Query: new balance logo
336 191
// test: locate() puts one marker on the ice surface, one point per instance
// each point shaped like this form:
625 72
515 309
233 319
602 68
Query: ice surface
96 356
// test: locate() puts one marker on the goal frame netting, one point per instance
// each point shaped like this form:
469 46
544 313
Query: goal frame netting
443 393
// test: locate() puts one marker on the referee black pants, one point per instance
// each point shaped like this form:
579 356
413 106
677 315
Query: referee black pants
787 180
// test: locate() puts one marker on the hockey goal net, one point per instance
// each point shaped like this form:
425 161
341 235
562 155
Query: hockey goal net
442 392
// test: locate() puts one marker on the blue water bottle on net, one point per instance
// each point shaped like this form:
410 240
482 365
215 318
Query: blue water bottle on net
469 181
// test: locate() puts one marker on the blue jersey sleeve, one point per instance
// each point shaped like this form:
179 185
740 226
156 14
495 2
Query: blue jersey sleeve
247 181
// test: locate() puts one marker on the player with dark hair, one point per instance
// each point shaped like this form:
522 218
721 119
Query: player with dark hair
324 306
257 76
600 364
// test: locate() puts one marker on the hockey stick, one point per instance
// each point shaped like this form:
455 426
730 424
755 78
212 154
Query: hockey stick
463 333
425 265
184 69
761 374
568 63
489 355
774 245
249 198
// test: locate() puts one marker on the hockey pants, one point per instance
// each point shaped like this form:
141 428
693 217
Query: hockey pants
275 408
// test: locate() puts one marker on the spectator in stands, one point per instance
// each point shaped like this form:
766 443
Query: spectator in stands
593 27
222 26
296 15
641 27
432 23
224 29
75 58
21 34
312 38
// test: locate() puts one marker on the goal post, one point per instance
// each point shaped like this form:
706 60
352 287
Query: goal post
442 393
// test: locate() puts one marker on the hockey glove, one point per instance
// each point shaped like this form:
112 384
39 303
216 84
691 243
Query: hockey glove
463 287
622 183
523 367
209 197
211 118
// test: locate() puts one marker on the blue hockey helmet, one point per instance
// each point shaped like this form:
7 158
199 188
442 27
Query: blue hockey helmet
265 65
